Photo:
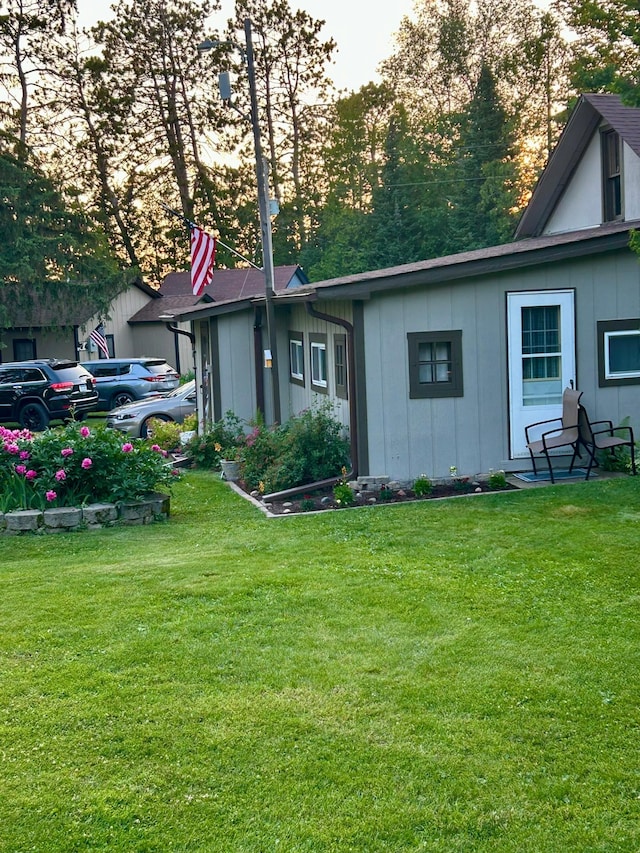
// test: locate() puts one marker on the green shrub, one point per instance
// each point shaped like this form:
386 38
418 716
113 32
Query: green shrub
308 448
166 434
221 441
386 494
343 494
422 486
497 480
75 465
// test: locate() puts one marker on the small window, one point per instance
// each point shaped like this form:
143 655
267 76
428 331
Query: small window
110 346
24 349
296 358
618 352
611 176
340 364
435 364
318 347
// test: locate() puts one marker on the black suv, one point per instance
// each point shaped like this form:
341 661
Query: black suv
32 393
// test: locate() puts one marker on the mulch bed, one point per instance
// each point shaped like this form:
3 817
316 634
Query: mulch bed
319 501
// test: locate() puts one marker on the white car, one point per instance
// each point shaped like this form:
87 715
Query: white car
133 418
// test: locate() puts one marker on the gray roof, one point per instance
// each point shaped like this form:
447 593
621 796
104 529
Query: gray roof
588 113
492 260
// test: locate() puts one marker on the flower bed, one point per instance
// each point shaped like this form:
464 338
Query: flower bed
75 466
369 491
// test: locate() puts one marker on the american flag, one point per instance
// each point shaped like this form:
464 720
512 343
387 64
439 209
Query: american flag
97 336
203 255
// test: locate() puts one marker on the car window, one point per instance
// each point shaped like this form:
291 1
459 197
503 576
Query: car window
69 374
31 374
158 367
9 375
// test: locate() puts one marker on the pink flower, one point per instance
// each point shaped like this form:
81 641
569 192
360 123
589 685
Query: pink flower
51 495
11 447
157 448
127 447
61 475
31 474
24 454
85 432
21 469
66 451
86 462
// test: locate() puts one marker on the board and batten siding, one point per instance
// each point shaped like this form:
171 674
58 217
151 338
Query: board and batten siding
407 438
236 370
302 397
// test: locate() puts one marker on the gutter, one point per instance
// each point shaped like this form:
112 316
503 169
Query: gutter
353 423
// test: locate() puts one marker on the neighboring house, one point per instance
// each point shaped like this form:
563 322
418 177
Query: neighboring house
54 330
444 362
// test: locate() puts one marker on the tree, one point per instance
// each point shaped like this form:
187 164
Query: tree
484 196
606 52
51 253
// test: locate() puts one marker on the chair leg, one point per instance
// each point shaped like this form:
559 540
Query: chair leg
633 458
550 466
533 462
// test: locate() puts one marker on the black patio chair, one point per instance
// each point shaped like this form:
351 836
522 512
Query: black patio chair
594 436
564 434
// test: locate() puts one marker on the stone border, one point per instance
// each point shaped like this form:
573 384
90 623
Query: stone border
155 507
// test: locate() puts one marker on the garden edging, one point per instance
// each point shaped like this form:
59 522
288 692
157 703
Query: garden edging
155 507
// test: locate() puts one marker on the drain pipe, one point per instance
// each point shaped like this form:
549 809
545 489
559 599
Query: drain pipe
351 385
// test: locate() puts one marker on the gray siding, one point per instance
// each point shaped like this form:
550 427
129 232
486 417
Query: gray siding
409 437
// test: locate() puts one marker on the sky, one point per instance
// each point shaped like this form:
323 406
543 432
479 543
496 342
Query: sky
363 31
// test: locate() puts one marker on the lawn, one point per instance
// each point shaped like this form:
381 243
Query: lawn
440 676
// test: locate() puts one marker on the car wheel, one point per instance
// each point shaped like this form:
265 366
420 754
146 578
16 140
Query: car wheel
144 428
34 417
120 398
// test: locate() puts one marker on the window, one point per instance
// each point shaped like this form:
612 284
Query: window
296 358
318 346
340 364
611 176
110 346
619 352
435 364
24 349
541 355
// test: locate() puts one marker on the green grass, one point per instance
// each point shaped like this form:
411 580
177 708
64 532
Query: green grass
436 676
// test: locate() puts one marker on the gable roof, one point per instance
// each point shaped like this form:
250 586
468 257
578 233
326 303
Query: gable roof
226 286
588 113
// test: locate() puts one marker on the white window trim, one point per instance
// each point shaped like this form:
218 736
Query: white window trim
608 373
318 346
299 346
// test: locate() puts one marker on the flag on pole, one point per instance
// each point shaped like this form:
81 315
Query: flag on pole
203 255
99 339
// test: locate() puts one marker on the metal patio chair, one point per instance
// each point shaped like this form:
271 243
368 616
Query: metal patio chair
565 433
602 435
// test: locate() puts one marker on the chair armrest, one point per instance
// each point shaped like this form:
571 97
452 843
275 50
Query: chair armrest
560 429
611 430
541 423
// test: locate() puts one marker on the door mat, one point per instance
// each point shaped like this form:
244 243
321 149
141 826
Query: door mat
561 474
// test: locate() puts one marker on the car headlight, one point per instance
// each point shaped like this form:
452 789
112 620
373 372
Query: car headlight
125 416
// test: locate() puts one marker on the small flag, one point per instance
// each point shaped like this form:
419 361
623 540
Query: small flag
97 336
203 255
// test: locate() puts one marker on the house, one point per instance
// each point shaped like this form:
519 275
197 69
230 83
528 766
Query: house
444 362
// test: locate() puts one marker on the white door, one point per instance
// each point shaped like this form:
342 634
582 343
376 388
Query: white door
542 361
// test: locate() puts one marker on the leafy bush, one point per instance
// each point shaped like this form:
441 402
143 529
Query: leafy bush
76 465
422 486
166 434
343 494
219 442
308 448
497 480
